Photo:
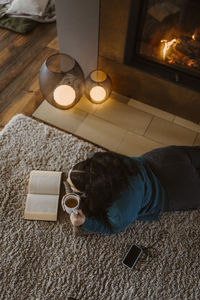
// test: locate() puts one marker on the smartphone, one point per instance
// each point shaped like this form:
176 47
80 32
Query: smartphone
132 256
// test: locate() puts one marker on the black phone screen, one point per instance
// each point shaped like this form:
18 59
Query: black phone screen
132 256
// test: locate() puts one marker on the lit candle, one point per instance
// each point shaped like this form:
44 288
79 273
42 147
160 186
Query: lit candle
98 93
64 95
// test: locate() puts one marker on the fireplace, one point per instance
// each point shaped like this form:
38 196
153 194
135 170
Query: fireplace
163 38
138 67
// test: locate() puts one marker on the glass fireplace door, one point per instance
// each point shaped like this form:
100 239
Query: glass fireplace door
167 32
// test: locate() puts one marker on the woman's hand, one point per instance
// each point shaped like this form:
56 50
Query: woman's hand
77 220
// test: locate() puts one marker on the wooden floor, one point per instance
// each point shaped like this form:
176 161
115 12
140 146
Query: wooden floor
21 57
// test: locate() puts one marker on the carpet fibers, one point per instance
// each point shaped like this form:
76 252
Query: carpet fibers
50 260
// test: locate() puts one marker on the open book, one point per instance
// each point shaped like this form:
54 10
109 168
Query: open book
43 195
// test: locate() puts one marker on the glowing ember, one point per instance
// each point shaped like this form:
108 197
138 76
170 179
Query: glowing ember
166 47
190 63
171 61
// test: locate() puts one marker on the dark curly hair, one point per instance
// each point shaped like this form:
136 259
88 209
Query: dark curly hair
103 177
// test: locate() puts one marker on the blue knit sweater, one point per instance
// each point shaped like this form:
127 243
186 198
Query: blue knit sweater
142 200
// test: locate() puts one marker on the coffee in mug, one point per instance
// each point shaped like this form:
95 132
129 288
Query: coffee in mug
71 203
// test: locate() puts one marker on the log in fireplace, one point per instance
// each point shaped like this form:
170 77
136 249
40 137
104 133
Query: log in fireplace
151 49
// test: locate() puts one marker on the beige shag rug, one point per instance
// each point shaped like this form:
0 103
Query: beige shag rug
48 260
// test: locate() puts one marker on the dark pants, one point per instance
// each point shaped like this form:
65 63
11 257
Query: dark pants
178 169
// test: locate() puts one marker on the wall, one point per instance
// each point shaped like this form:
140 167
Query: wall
78 31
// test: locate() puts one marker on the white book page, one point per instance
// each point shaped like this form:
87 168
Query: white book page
44 182
43 204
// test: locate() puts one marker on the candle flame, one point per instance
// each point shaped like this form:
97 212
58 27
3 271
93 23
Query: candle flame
98 93
64 95
166 47
193 37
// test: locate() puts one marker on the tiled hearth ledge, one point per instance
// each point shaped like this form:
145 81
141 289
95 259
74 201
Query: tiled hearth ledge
121 124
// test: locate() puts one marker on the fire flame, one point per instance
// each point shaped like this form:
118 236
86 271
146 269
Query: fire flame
166 47
175 55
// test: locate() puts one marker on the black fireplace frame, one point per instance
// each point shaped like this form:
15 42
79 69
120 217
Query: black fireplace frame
137 12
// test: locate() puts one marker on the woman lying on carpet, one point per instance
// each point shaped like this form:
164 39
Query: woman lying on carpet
116 190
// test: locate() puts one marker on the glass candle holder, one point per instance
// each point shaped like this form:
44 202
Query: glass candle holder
98 86
61 80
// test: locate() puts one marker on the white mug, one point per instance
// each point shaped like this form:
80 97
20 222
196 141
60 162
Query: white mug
66 203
